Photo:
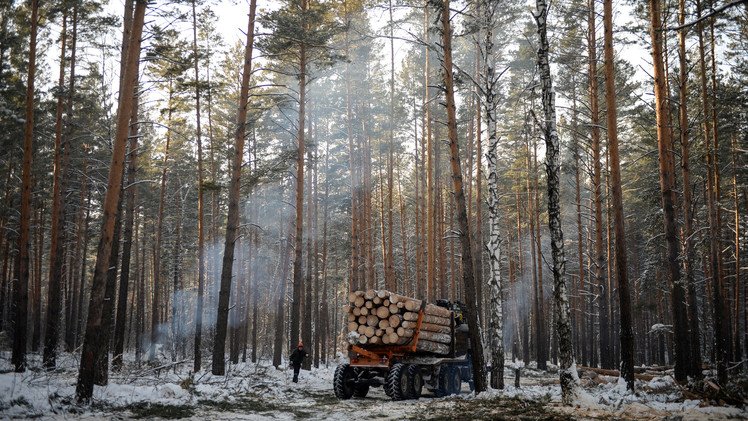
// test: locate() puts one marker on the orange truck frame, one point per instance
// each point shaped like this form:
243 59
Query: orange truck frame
402 370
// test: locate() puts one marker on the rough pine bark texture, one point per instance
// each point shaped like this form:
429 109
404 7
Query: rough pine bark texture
667 188
95 337
219 345
473 318
621 260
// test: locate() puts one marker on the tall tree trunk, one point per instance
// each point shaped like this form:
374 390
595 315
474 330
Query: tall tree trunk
197 365
531 232
390 282
580 307
72 281
6 242
606 352
57 230
736 284
468 273
298 281
95 337
430 150
694 369
308 303
323 315
36 301
78 320
101 373
21 270
624 297
315 254
667 186
280 331
356 281
567 366
540 323
157 287
139 293
494 243
720 299
219 344
176 331
124 282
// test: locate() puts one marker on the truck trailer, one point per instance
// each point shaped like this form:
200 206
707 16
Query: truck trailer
428 347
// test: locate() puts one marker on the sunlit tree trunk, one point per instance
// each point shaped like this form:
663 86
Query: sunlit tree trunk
621 259
96 337
667 186
219 344
473 317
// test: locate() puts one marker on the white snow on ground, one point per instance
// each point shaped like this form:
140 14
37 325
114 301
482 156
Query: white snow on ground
259 391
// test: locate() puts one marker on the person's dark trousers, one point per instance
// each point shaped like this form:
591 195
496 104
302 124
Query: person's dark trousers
296 369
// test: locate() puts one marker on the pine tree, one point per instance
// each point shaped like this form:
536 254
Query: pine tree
95 337
219 345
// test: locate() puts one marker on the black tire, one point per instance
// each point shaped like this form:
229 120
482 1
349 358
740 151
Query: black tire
396 384
343 381
455 381
415 381
442 388
360 390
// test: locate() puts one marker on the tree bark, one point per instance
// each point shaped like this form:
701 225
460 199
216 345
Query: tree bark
494 243
390 282
621 259
197 365
124 282
606 352
95 337
693 309
473 317
567 366
280 331
101 369
21 270
298 281
667 186
219 345
57 230
720 300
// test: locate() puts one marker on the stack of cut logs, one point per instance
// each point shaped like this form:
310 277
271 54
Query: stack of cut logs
379 317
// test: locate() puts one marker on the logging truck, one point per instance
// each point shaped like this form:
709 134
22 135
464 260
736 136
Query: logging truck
404 345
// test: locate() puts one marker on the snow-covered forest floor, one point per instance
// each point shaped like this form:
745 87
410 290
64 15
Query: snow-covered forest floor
259 391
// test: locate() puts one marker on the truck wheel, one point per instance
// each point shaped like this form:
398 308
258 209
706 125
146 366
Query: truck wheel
343 381
360 390
442 388
396 383
455 381
415 381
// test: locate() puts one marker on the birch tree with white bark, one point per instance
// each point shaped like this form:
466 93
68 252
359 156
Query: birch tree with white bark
562 314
